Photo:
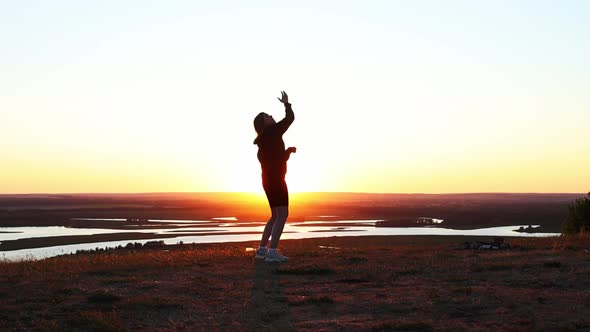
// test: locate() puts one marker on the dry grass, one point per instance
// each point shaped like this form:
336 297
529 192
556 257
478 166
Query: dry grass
370 283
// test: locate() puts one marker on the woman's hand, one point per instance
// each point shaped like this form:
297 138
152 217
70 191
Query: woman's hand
289 151
284 98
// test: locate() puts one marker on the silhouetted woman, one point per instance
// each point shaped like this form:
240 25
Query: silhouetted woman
273 161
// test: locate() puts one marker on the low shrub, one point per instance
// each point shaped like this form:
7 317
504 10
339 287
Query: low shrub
578 217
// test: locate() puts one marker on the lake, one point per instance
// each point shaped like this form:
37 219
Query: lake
222 229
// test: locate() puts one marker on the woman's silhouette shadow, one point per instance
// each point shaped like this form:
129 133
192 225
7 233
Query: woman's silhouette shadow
270 305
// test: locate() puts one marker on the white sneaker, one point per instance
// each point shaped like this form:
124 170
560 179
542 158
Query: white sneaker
261 253
273 255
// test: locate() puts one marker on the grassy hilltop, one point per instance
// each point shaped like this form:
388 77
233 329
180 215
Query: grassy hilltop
365 283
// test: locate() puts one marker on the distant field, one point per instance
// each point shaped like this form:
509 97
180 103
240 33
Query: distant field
457 210
81 206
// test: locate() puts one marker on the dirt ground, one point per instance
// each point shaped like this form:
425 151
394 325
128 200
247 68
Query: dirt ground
396 283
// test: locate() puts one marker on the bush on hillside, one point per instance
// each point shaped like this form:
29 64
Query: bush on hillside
578 217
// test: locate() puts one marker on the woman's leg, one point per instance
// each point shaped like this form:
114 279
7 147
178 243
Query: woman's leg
268 228
281 213
277 193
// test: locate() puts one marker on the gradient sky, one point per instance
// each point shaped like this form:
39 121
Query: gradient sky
389 96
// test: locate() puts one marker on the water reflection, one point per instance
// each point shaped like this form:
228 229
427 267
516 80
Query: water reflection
207 231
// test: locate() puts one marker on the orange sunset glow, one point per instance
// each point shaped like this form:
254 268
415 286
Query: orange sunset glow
153 103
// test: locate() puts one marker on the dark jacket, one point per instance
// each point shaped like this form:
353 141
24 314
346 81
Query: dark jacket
271 148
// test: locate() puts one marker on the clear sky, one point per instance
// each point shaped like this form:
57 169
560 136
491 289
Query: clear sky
389 96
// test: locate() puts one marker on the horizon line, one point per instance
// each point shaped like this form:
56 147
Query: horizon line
294 193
